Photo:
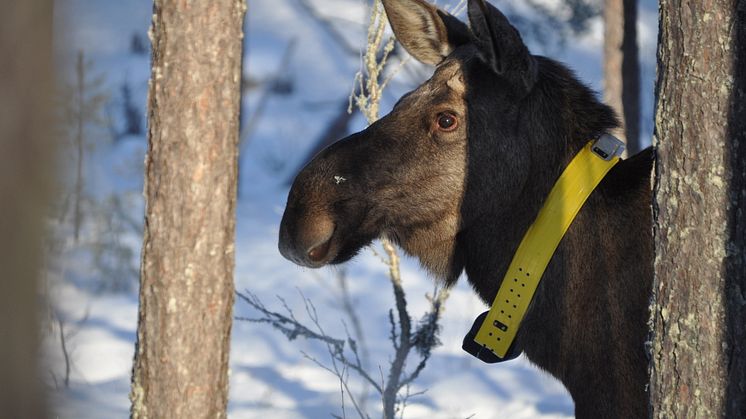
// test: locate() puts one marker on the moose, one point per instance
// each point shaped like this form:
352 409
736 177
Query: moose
456 173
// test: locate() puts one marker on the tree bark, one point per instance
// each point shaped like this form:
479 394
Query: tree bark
698 315
622 68
186 283
26 151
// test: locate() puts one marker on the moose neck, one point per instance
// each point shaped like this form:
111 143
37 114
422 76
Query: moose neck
486 247
589 312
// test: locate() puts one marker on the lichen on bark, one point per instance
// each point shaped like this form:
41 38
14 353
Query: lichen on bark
699 170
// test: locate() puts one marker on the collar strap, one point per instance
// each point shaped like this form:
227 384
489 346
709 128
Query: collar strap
498 328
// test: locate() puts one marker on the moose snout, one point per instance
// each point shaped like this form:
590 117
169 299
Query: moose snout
307 240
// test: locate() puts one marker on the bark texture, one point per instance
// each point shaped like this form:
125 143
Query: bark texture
186 284
26 152
698 320
622 68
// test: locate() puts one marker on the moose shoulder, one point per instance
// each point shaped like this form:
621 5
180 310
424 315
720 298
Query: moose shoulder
459 170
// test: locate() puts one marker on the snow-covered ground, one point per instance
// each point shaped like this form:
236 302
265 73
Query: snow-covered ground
270 376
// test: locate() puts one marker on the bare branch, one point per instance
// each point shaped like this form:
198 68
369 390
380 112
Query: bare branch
328 26
248 129
292 328
65 352
288 325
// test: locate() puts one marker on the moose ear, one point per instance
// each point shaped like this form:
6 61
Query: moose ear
501 45
428 33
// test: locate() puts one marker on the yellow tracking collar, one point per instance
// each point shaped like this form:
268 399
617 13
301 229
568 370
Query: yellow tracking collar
567 196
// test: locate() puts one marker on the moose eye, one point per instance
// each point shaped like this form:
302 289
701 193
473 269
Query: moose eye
447 121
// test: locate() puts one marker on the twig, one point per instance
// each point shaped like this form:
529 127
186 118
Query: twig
408 395
289 326
405 329
359 341
135 225
64 336
79 142
292 329
65 352
349 309
329 27
342 386
248 130
378 255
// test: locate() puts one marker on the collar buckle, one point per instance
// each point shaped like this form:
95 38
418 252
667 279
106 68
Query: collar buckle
607 147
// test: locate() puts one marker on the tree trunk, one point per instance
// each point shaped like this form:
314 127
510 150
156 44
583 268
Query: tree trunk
186 283
698 312
26 151
622 68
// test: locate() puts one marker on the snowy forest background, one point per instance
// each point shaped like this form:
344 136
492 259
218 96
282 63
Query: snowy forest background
300 60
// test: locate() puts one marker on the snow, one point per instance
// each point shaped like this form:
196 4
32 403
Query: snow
269 375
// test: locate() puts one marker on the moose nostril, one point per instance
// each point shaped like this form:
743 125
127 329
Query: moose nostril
319 252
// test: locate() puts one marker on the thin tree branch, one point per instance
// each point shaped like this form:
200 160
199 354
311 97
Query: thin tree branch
292 329
248 130
65 352
329 28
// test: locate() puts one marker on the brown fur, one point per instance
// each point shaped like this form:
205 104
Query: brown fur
429 229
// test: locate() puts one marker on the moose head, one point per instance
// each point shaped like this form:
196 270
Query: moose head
455 149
